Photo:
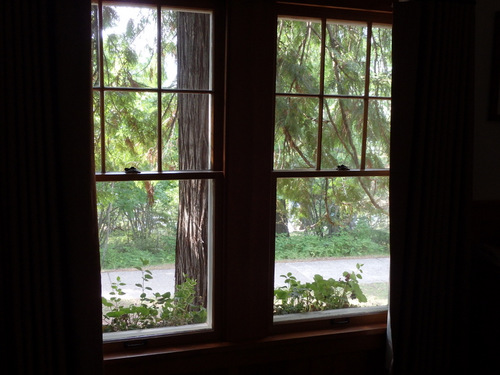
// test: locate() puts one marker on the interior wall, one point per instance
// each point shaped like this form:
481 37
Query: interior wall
487 133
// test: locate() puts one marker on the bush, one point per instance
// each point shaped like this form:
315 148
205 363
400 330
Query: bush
160 310
360 242
320 295
121 252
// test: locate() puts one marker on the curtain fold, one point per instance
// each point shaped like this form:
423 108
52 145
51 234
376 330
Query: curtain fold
51 321
432 123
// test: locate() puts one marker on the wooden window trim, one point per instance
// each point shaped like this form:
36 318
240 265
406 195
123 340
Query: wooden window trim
232 169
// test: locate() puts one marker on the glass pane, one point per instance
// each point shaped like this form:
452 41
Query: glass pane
345 59
379 134
154 248
169 48
96 118
332 243
194 131
342 133
296 132
381 61
186 132
131 130
186 48
298 56
94 40
170 132
130 46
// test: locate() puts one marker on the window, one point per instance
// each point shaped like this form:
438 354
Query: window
226 151
154 122
331 163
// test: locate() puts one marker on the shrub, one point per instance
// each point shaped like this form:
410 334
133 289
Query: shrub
319 295
160 310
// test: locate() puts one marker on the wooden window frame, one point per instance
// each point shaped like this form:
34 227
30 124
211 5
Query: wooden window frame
329 319
214 173
242 168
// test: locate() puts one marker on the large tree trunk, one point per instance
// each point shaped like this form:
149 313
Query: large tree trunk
193 41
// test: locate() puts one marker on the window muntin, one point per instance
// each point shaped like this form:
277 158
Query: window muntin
153 110
143 99
332 109
169 173
324 90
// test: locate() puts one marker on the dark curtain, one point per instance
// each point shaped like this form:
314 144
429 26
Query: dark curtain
430 185
50 314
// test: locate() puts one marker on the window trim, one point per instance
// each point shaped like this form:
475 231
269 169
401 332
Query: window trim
327 319
133 340
232 27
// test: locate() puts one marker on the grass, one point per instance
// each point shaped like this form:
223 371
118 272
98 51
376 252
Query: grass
123 252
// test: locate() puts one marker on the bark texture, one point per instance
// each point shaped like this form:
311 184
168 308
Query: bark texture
193 111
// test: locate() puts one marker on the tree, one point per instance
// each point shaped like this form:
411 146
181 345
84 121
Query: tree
322 205
193 44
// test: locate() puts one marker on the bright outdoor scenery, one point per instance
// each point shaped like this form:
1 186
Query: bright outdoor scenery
152 110
332 114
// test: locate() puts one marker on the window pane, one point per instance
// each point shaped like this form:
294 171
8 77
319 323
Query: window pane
96 118
130 51
131 130
194 131
325 227
298 56
143 227
379 134
186 48
345 59
342 132
94 40
170 132
381 61
296 132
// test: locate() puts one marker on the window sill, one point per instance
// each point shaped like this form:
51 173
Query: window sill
151 175
362 333
330 314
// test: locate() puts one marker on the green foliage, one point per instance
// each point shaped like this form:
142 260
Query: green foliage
153 311
319 295
130 58
342 244
325 206
137 220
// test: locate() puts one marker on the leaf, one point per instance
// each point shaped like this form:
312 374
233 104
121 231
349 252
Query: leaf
106 303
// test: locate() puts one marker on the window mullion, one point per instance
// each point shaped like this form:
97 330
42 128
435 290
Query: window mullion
367 95
321 94
101 89
159 83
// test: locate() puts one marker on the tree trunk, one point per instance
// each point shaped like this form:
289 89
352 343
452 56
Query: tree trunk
193 46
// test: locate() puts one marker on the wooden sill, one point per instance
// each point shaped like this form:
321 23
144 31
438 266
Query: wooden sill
276 347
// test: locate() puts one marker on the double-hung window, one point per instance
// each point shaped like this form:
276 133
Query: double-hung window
331 160
204 208
157 171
